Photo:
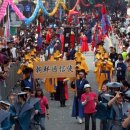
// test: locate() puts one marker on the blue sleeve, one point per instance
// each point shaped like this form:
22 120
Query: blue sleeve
12 115
6 125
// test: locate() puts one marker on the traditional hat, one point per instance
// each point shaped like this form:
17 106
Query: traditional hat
22 93
57 53
30 65
78 54
52 58
106 56
78 59
98 56
21 69
34 50
32 53
27 57
59 56
4 103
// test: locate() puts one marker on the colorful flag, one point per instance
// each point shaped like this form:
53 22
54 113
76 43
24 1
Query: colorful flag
39 41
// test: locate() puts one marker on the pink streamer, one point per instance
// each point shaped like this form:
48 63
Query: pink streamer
14 7
3 9
16 10
75 5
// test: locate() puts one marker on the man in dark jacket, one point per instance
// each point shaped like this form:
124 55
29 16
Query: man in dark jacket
121 69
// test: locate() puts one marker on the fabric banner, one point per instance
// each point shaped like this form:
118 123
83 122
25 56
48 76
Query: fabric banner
54 69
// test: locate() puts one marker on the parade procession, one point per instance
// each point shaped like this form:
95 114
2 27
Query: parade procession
65 65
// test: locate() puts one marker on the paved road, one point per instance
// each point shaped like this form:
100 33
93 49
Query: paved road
60 118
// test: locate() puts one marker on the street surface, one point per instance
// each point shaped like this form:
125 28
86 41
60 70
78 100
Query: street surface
60 118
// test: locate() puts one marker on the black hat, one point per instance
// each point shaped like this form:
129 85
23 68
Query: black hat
82 71
114 85
125 83
27 89
27 70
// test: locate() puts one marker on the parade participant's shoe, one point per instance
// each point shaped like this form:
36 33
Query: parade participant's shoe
80 120
61 105
64 105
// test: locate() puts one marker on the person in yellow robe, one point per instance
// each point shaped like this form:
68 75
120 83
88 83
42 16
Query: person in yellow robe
104 70
50 83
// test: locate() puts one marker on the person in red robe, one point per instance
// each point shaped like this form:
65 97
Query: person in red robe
62 38
97 36
48 36
72 39
84 44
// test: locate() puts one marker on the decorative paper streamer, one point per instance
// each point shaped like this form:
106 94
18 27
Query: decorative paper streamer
3 9
43 8
64 6
55 9
16 10
72 10
38 6
29 20
14 7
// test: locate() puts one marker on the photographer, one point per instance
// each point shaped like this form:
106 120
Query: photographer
116 114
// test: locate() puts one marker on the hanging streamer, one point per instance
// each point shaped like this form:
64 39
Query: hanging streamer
38 6
64 6
16 10
3 9
43 8
55 9
14 7
29 20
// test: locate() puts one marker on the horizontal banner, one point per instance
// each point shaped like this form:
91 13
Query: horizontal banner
55 69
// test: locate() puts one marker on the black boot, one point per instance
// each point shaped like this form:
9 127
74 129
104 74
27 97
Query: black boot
61 103
64 103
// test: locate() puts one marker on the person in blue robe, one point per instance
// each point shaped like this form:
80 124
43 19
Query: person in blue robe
5 120
71 54
77 110
22 115
89 35
35 102
28 81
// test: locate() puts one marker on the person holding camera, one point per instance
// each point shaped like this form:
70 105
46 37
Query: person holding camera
116 113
